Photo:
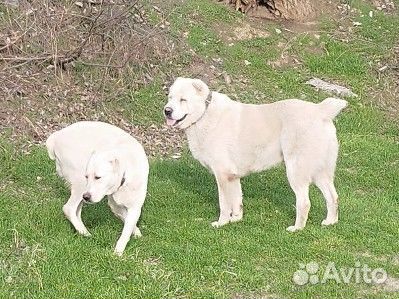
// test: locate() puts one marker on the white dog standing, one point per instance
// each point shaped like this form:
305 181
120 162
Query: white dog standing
233 139
99 159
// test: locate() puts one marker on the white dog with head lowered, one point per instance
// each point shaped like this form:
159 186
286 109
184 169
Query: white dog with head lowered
99 159
233 139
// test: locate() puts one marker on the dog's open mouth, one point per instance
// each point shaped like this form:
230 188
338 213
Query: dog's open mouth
174 122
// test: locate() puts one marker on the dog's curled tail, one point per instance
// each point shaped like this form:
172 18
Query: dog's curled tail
50 144
332 107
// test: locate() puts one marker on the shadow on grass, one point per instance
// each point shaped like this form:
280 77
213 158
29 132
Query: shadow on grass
269 187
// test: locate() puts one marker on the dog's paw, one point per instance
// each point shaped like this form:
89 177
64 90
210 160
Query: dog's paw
326 222
85 233
118 252
222 221
236 218
293 228
216 224
137 233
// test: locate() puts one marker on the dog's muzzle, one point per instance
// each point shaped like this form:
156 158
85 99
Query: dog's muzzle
87 197
168 112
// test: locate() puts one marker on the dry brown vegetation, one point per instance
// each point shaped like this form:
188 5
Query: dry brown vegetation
62 61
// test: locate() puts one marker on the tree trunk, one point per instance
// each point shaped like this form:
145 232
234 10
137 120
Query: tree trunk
293 9
298 10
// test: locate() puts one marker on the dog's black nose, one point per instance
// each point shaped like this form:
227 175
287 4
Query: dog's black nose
168 111
87 196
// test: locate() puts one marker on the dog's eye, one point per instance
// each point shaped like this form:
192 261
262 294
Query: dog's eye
97 177
86 176
183 100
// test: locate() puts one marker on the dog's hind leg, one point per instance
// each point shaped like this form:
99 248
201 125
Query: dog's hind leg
300 185
72 210
302 207
230 199
121 212
326 186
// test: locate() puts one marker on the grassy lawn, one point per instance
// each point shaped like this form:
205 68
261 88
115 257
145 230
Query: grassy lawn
180 255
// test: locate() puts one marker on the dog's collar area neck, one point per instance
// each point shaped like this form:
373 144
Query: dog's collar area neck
208 99
123 180
207 103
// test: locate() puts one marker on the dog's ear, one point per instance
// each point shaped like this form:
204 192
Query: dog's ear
199 85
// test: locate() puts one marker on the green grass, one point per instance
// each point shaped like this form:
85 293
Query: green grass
135 105
180 255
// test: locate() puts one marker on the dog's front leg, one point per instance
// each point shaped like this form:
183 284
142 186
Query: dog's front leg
230 199
236 199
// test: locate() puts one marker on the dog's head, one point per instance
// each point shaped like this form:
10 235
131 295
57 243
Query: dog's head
103 176
186 102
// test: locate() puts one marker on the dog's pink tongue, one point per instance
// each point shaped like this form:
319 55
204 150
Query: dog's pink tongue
170 122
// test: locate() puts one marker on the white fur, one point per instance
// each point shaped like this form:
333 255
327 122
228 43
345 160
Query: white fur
94 158
233 139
